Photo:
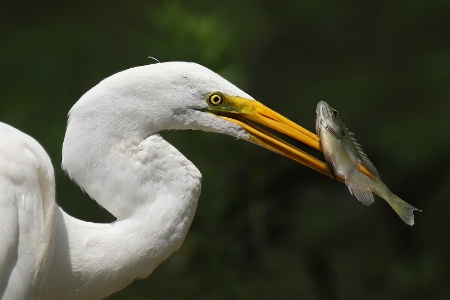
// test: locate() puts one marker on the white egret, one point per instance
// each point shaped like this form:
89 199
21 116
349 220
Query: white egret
113 151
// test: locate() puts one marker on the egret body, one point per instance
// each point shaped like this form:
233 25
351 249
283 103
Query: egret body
112 149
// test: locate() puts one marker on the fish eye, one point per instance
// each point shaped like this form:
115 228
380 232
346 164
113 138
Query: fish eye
335 113
215 98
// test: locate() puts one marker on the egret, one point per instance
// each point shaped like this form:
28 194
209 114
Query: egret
113 150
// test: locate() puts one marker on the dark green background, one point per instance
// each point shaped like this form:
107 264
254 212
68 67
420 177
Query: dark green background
266 227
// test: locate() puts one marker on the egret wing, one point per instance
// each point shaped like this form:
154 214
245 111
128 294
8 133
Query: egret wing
26 214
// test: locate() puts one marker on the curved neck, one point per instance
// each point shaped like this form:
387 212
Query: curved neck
161 191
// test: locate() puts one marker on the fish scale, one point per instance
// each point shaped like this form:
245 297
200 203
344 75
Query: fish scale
346 159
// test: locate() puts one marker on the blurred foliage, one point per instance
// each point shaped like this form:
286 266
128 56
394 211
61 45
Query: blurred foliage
266 228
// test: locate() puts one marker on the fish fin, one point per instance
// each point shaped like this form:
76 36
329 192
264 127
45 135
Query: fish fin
365 161
404 210
362 194
330 166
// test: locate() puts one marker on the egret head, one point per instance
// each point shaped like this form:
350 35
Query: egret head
141 101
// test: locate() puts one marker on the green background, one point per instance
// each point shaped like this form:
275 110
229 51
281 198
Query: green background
266 227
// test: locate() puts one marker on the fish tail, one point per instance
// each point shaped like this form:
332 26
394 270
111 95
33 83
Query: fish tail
402 208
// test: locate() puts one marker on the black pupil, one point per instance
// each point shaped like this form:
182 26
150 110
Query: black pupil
335 113
216 99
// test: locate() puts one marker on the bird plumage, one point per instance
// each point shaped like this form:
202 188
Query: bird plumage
113 151
27 207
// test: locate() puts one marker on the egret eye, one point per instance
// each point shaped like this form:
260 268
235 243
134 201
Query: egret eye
215 98
335 113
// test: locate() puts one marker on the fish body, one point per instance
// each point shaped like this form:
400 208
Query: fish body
347 161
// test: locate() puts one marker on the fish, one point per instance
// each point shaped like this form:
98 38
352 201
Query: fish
347 162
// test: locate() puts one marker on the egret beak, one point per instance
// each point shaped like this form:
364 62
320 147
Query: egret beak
248 113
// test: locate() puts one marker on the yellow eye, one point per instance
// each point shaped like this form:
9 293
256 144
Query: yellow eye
215 98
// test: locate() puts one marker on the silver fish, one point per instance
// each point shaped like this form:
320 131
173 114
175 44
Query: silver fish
348 162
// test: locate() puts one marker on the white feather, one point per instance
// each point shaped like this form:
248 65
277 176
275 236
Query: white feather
113 151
